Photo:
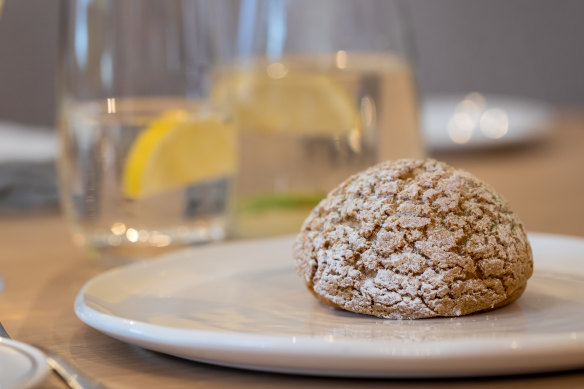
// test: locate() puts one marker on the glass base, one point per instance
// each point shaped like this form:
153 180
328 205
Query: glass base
133 244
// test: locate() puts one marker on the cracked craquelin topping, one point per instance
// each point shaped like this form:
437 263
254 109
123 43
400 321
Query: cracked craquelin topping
414 239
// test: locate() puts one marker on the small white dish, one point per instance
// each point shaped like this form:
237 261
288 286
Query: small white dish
21 366
476 121
241 304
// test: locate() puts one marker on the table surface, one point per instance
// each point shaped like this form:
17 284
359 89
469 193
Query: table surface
43 271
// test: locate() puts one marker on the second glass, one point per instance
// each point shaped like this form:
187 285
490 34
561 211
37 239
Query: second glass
319 90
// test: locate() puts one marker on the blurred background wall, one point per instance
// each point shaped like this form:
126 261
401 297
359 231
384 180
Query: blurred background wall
28 51
527 48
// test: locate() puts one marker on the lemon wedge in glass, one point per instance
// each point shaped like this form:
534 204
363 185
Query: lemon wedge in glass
177 149
297 102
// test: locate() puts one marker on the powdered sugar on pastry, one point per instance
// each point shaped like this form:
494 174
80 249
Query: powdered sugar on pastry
414 239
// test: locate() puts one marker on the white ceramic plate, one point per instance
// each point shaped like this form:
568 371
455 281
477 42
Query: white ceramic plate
483 121
21 143
241 304
21 366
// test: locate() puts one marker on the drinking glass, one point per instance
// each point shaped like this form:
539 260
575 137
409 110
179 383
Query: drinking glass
319 90
146 159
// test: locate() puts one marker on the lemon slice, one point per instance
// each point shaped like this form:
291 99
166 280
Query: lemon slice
302 103
178 149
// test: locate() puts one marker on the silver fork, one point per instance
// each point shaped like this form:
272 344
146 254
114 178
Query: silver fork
69 374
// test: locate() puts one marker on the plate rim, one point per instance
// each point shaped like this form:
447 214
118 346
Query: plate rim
182 340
